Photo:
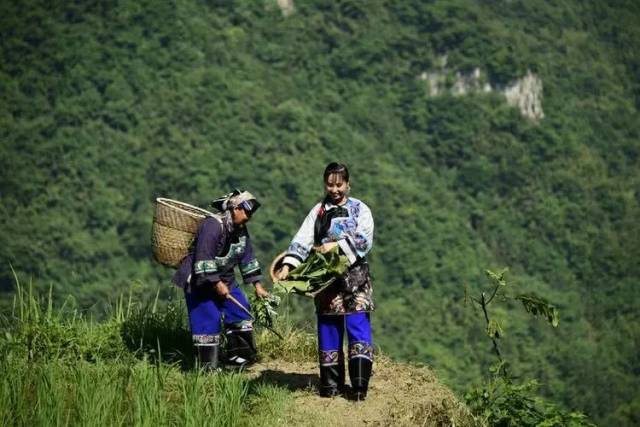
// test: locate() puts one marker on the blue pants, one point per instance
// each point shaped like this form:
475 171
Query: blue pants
207 311
331 334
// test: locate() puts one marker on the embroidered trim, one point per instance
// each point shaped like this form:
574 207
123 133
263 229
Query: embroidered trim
361 241
341 227
298 250
346 227
361 349
250 267
206 266
329 357
221 263
206 339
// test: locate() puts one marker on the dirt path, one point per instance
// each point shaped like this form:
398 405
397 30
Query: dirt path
399 395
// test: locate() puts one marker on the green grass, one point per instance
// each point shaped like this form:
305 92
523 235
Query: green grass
116 393
135 368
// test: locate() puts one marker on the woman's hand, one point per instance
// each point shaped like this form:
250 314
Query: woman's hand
323 249
283 273
261 292
222 289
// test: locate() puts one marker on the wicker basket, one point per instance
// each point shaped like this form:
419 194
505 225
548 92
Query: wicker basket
276 265
174 227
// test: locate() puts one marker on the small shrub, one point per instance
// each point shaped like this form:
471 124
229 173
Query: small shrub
500 401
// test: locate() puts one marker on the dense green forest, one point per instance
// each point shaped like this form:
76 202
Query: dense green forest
105 106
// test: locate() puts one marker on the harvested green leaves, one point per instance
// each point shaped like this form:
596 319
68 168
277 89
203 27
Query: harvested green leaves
264 310
313 275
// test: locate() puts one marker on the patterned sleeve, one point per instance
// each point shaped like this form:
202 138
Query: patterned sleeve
357 244
249 266
208 237
303 240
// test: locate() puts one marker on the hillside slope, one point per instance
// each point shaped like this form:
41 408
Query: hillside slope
137 368
399 395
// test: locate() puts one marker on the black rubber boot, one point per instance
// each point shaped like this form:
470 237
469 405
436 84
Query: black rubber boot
208 356
341 375
359 373
240 348
331 380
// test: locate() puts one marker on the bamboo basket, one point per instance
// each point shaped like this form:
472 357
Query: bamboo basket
276 265
173 230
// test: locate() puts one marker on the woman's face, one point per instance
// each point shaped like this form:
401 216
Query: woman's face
337 188
239 216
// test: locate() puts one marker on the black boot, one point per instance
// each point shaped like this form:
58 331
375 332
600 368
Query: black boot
331 380
207 350
208 356
240 348
341 373
359 373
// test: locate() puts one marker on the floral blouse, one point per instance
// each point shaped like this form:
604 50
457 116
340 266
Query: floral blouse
351 226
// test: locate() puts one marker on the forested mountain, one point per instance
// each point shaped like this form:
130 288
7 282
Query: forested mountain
105 106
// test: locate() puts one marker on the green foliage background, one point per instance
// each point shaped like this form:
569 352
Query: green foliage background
105 106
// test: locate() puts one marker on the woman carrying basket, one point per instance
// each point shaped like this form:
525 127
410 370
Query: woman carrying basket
346 223
211 292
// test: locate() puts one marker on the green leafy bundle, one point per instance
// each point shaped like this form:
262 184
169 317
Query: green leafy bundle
315 274
264 310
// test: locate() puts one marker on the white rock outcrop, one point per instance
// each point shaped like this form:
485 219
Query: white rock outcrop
524 93
470 83
435 82
287 7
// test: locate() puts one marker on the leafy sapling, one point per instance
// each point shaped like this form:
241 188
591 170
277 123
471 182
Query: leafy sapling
500 401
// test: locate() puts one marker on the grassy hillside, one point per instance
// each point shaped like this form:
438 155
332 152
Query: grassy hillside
105 107
137 368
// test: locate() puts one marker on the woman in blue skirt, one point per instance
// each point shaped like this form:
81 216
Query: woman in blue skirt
344 222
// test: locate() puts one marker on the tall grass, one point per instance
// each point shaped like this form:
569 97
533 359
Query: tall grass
35 331
135 368
298 343
115 393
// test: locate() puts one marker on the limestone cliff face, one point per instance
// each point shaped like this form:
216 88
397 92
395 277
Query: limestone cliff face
438 83
524 93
